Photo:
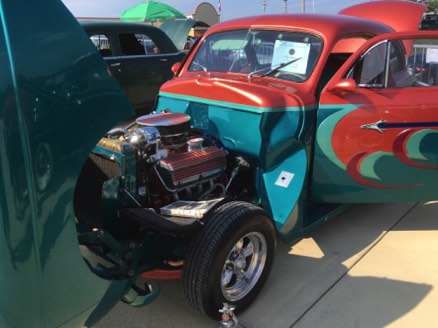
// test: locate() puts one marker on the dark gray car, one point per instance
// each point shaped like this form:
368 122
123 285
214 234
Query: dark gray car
140 57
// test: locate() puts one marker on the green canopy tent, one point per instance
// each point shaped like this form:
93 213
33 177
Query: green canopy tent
150 11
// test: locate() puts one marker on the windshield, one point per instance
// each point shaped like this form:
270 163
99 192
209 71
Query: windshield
284 55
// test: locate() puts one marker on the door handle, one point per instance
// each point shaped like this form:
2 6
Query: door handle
115 64
163 60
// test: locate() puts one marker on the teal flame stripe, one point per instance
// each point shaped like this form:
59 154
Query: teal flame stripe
333 114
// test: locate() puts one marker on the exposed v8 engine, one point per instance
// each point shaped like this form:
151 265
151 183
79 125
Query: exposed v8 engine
173 161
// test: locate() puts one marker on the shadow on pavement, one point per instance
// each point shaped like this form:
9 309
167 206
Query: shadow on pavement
304 272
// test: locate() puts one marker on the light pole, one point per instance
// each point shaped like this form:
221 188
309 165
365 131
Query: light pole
285 6
264 3
303 6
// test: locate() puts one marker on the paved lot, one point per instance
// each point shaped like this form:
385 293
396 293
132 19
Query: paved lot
372 266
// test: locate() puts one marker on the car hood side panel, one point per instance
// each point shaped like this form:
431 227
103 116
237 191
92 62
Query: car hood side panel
56 103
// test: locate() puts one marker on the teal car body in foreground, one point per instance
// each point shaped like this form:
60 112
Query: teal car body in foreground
57 99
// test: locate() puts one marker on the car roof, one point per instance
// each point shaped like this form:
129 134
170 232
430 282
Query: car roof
330 27
116 26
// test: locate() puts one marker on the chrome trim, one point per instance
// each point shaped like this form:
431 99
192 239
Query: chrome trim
373 126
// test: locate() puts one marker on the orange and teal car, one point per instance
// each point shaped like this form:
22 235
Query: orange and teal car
271 125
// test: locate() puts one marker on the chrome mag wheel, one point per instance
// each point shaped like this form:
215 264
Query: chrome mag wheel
243 266
230 258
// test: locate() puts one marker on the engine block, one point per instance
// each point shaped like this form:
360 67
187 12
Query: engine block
184 168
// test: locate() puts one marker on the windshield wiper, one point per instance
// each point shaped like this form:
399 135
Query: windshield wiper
280 66
272 70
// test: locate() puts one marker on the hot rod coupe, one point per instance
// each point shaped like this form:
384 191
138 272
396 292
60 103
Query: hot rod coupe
271 125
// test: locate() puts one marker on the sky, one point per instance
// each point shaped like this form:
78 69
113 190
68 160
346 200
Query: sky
230 8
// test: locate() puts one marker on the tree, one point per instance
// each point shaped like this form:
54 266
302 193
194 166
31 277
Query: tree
432 6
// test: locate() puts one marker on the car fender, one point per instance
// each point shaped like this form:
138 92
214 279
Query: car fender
282 188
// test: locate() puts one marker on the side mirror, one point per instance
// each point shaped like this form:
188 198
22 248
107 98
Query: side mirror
346 85
175 67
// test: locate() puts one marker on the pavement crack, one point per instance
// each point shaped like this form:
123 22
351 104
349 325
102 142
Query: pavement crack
374 244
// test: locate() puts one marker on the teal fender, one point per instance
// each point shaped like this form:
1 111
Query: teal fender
275 140
282 190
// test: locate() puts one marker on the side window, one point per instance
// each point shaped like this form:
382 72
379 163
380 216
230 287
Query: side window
398 64
149 46
130 45
101 41
370 70
399 74
135 44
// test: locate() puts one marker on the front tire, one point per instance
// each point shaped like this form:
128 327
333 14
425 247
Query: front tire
230 259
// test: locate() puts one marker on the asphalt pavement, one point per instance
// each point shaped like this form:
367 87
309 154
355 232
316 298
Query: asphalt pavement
374 265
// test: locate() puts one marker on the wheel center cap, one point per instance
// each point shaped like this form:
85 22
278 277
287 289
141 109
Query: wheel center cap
240 263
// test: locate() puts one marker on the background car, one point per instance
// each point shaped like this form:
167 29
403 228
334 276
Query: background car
429 22
138 55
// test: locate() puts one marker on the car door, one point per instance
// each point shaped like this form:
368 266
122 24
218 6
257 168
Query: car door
107 45
377 125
